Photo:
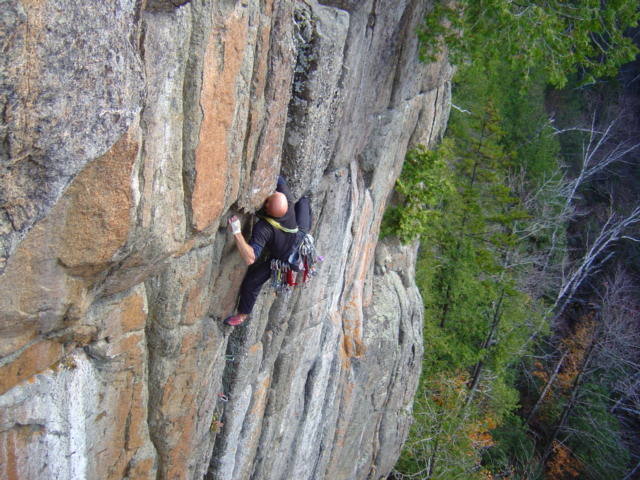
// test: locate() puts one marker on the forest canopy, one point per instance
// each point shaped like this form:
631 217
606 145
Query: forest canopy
527 217
556 37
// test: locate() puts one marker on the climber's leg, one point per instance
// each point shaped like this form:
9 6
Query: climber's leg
258 273
303 214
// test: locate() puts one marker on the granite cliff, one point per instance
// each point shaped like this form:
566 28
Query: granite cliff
130 131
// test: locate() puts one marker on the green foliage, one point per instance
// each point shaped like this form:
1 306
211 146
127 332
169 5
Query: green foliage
476 317
424 186
599 444
447 436
585 36
527 135
486 205
512 455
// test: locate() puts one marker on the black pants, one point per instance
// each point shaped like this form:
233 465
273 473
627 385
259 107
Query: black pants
260 271
303 214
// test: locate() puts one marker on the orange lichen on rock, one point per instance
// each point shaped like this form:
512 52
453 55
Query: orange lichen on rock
34 359
97 209
223 60
15 441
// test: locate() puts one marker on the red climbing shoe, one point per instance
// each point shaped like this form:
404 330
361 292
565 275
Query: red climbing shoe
235 320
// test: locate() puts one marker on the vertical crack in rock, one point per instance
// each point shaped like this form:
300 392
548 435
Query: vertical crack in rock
201 24
371 18
432 132
404 48
330 412
234 400
306 64
320 35
153 301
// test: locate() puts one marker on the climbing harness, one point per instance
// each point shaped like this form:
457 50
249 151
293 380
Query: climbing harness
303 259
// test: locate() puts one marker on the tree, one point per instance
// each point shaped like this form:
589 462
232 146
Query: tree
594 387
561 37
491 207
554 205
474 314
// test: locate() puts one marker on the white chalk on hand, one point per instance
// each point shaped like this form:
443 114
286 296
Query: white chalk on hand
234 223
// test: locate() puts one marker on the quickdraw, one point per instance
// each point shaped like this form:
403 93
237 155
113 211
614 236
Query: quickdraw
309 257
280 271
283 273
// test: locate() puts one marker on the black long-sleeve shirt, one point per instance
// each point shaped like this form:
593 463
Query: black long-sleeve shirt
278 243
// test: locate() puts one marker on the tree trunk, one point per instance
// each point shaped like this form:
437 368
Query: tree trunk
575 390
548 385
477 370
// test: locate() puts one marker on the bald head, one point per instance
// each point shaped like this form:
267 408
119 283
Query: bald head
276 205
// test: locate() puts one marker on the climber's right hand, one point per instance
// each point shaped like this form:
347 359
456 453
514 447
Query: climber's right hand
234 225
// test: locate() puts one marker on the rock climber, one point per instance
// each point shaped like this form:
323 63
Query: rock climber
274 236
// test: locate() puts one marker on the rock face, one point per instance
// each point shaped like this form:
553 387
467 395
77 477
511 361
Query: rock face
130 132
71 84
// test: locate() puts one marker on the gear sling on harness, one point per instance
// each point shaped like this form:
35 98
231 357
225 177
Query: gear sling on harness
302 259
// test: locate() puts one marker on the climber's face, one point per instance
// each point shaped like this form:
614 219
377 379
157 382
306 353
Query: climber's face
276 205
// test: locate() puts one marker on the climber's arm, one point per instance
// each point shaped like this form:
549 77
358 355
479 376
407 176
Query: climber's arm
246 251
260 237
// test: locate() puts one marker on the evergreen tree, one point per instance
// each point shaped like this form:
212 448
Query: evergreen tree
555 37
